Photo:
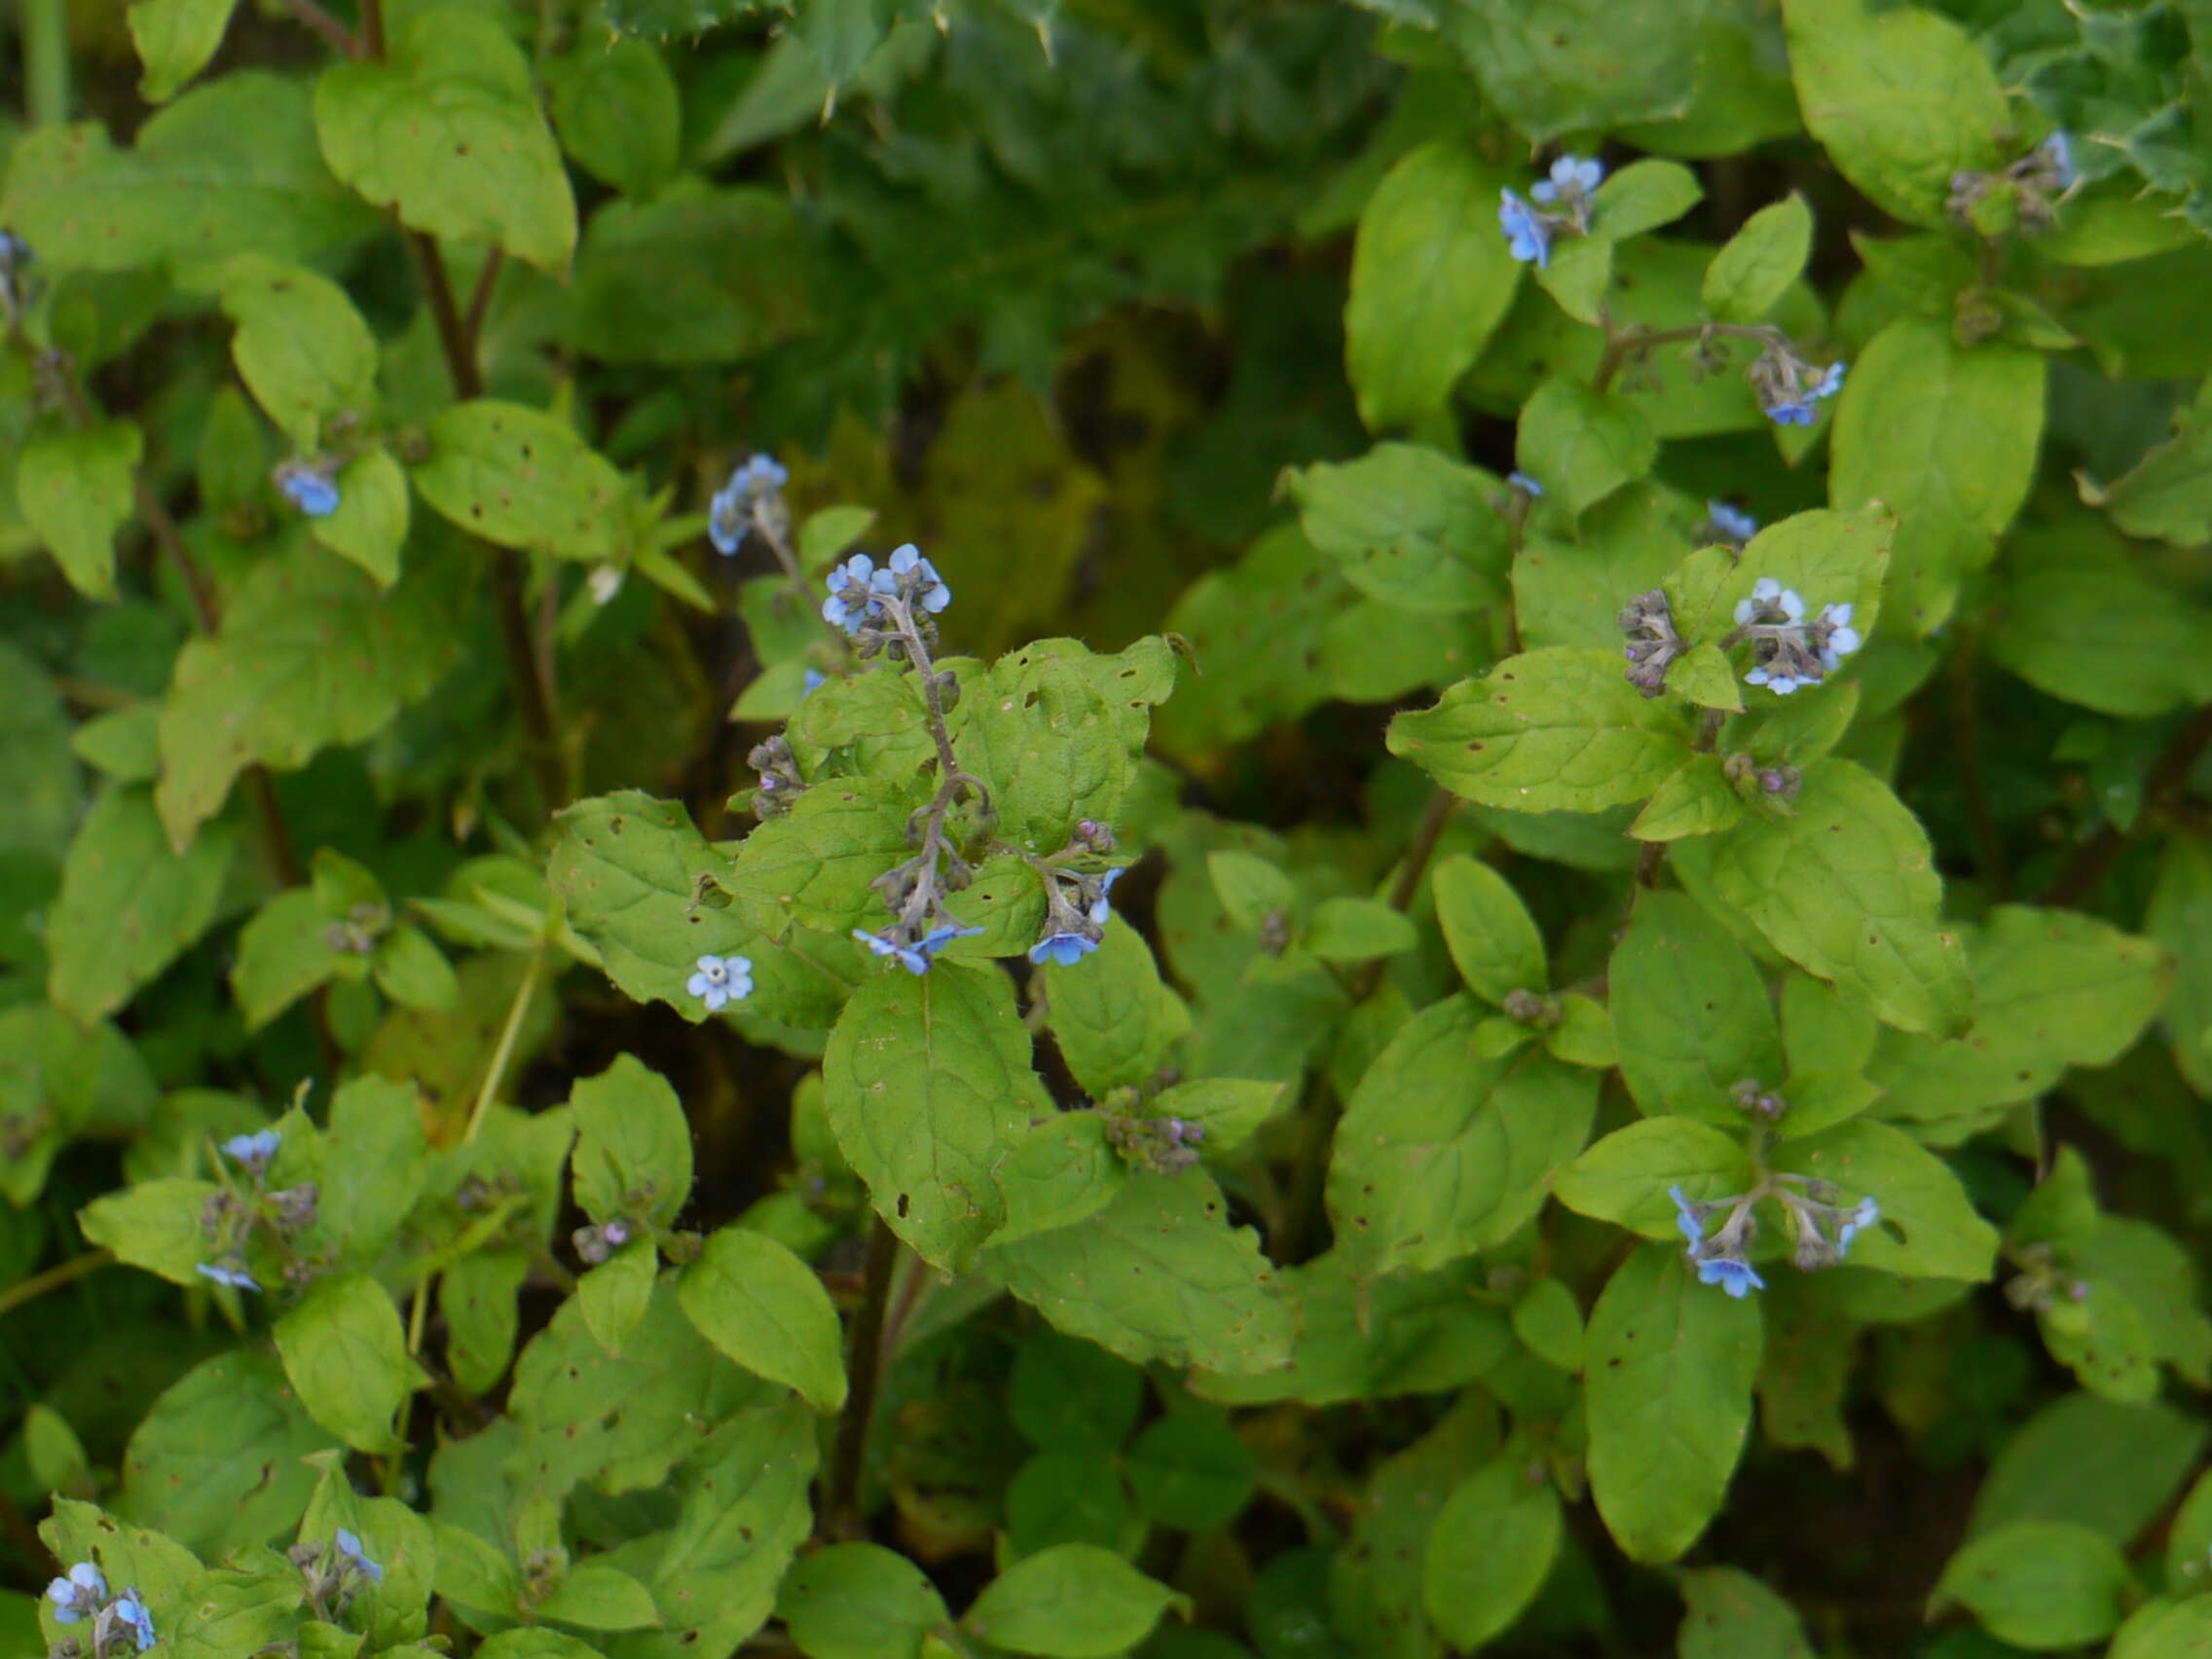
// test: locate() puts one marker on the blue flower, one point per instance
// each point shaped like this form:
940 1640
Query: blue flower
1774 679
1731 522
1770 602
1064 948
811 681
1522 482
309 487
253 1151
1857 1221
721 979
1100 909
1686 1217
77 1596
1527 233
1798 411
729 513
1730 1275
350 1554
911 571
1574 180
853 596
2058 152
235 1277
133 1613
915 958
1832 636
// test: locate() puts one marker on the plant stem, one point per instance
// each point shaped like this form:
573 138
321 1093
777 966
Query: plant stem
46 60
864 1368
1621 346
1966 750
500 1055
335 34
53 1278
2168 774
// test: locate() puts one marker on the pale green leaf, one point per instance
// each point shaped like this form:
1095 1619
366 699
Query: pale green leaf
75 491
765 1309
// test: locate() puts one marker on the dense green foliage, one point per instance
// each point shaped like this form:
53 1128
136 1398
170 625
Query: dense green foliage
1087 828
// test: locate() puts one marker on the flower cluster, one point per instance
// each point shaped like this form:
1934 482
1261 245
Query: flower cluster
1823 1227
1652 642
1076 909
721 979
311 486
1789 651
1565 200
913 949
335 1572
1162 1145
593 1244
753 496
2038 179
1788 388
118 1625
857 589
231 1221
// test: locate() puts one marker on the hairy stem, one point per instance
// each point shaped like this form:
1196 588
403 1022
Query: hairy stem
2168 773
1626 343
864 1368
53 1278
335 34
496 1071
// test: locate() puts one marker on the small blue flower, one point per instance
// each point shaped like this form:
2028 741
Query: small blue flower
1856 1222
309 486
235 1277
1833 637
1798 411
729 513
253 1151
1522 482
811 682
1687 1218
1731 1276
1527 233
1770 602
908 569
1064 948
1731 522
915 958
1774 679
1100 909
854 596
2058 151
721 979
1573 179
77 1596
132 1612
350 1554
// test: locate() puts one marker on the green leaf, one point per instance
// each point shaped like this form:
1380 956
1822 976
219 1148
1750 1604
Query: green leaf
1231 1109
1430 282
1489 1551
617 110
1409 527
1549 1324
45 797
1073 1395
129 905
1492 936
1846 888
1442 1152
596 1595
233 1613
1732 1615
616 1294
632 1155
1115 1020
1697 800
175 39
1046 743
1550 730
153 1224
2161 1629
523 479
764 1308
929 1088
446 131
216 1462
374 508
810 867
414 973
695 277
75 491
1070 1601
1358 930
1552 67
1063 1171
1190 1470
310 654
1583 445
2181 919
1690 1013
162 1571
230 167
1919 1194
1902 101
345 1355
300 348
1624 1176
1671 1364
2144 1452
1829 558
1252 890
2040 1585
371 1170
392 1535
859 1602
1068 1497
628 869
1160 1273
1945 437
2074 617
1755 268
